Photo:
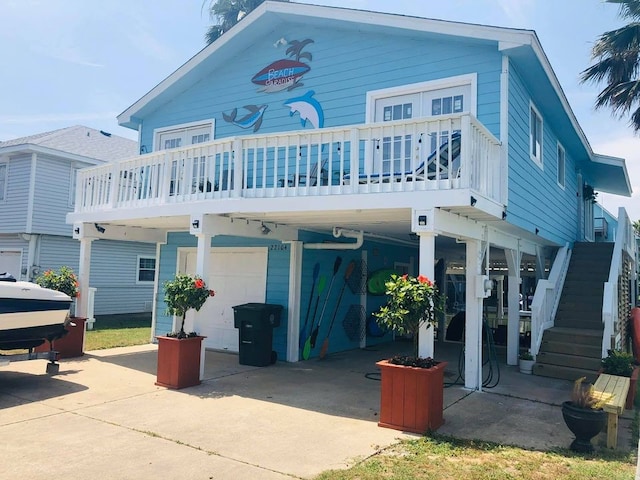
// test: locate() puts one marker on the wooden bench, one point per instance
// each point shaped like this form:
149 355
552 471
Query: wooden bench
613 390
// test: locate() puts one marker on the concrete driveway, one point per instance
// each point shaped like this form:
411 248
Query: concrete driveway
103 417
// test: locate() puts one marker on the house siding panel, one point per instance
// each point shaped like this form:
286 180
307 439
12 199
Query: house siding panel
546 206
113 271
51 196
345 66
13 210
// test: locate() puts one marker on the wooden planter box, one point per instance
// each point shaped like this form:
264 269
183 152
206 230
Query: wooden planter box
411 398
72 344
179 362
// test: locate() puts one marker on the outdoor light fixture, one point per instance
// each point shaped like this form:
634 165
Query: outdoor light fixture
264 229
422 220
504 215
195 223
98 228
473 201
537 231
76 230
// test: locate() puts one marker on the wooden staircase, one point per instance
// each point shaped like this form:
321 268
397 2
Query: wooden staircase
573 347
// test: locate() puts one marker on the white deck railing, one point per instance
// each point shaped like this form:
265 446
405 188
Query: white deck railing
447 152
625 243
547 297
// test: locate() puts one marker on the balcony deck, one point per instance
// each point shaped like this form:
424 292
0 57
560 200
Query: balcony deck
447 153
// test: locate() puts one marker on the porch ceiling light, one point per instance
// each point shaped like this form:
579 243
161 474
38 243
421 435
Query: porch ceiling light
264 229
473 201
99 228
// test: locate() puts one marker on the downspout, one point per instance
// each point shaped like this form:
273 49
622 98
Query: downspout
337 233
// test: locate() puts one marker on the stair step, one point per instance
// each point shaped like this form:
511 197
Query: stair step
579 323
571 348
567 360
579 336
566 373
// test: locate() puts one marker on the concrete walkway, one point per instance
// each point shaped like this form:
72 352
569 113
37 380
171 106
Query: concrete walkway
103 417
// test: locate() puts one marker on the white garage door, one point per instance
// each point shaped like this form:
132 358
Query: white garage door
10 262
238 275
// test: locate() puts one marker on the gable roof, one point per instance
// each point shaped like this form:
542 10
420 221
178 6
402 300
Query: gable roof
522 47
77 141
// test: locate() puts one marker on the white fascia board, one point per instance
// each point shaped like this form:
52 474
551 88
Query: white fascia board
614 162
387 20
31 148
119 232
221 225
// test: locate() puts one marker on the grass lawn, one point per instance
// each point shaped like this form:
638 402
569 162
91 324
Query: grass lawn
118 331
440 457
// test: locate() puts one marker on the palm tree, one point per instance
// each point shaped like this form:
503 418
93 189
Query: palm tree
617 61
226 13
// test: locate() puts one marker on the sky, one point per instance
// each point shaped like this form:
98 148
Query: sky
83 62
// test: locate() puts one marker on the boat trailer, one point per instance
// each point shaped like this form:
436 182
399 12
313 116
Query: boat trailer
53 367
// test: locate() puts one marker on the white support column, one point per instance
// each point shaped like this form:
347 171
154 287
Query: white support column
473 314
203 254
514 258
500 296
83 277
293 313
426 268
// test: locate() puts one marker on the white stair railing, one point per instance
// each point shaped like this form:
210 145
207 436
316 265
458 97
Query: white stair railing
625 242
546 298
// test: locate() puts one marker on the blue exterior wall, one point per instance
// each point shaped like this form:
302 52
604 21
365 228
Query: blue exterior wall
344 67
535 198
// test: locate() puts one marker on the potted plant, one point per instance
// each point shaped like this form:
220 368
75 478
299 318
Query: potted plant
179 353
621 363
411 393
583 415
525 362
72 343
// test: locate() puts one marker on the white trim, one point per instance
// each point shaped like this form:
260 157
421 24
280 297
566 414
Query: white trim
538 161
470 79
156 285
73 175
155 270
31 148
564 165
32 190
505 75
293 312
4 162
182 126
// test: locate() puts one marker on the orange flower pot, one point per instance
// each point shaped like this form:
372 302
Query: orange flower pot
178 362
72 344
411 398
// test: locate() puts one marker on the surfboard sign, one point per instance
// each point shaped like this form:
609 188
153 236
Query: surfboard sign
280 75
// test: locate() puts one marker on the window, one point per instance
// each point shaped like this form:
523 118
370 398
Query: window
561 165
3 181
535 136
182 135
146 269
72 186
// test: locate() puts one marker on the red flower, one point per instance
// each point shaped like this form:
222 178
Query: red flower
199 283
423 279
404 277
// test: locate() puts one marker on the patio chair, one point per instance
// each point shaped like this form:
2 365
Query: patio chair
435 170
300 180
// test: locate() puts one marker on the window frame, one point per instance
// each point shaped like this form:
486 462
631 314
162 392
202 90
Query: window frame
184 128
4 180
73 183
539 158
559 149
138 269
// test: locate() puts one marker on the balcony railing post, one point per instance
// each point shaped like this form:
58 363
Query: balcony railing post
467 162
354 157
236 173
115 184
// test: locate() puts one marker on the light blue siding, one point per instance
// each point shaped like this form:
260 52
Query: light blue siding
113 271
535 198
13 210
345 66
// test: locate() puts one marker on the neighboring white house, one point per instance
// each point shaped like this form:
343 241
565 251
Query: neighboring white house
37 190
306 132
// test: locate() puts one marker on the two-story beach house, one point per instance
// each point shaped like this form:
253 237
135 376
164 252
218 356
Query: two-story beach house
307 133
37 191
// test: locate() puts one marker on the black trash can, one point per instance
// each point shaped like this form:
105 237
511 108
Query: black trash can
256 322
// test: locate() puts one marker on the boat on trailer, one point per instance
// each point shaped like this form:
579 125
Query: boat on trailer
30 314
